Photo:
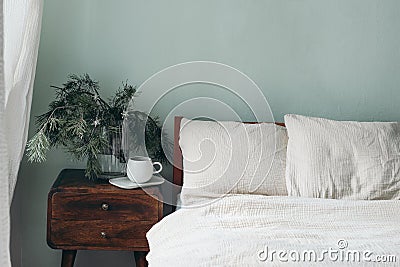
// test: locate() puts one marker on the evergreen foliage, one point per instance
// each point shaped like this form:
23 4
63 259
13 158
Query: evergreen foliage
81 121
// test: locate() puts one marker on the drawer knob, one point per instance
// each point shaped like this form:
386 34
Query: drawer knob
104 206
103 235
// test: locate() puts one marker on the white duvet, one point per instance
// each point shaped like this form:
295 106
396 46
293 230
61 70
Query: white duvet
251 230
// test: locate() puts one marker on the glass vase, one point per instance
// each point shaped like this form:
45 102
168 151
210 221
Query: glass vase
112 160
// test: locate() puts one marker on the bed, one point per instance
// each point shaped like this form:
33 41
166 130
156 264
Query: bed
273 230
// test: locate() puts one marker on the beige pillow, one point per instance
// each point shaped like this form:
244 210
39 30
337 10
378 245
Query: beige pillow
231 158
342 159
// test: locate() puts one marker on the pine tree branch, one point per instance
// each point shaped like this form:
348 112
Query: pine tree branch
70 123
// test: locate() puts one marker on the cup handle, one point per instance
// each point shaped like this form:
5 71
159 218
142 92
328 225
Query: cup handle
159 164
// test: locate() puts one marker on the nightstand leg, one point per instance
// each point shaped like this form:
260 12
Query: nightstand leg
140 259
68 258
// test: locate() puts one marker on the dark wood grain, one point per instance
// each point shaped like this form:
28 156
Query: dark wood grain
177 170
140 259
126 235
68 258
73 180
105 206
94 215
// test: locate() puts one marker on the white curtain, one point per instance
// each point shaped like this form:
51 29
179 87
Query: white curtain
20 31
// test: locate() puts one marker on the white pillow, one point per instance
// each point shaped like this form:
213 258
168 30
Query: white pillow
231 157
341 159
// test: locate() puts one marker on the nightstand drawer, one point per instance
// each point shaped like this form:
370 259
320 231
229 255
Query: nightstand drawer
101 234
104 206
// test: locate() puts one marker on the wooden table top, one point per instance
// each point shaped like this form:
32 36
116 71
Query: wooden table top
74 180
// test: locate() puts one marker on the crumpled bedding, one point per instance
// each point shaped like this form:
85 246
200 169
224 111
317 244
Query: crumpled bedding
245 230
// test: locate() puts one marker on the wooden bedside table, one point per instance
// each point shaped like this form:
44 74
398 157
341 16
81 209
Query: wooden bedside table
94 215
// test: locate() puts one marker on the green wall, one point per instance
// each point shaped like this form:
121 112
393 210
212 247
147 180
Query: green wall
338 59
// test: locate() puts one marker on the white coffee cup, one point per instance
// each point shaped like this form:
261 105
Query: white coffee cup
140 169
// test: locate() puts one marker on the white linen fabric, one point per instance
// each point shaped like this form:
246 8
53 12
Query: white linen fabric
4 189
20 29
22 24
342 159
221 157
237 229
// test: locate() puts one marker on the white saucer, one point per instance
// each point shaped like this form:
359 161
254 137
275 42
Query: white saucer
125 183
